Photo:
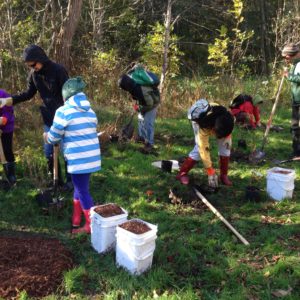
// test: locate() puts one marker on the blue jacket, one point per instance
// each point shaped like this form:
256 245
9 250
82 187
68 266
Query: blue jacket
75 124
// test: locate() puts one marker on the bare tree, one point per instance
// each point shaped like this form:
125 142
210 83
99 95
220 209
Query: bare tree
65 36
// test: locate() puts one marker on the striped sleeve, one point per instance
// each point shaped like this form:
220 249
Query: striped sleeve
57 129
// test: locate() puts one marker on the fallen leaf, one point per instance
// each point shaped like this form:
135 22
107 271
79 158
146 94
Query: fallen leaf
282 293
267 274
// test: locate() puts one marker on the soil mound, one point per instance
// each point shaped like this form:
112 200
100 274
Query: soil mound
33 264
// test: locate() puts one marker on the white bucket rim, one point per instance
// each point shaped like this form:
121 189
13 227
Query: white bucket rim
107 219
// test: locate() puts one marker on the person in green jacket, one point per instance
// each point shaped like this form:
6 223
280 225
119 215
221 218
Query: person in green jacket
291 53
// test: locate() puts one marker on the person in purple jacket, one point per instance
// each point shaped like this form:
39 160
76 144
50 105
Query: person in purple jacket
7 120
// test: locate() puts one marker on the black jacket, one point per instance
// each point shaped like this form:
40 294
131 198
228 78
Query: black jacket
48 82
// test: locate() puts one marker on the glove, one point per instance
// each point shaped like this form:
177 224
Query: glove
212 177
136 107
6 101
3 121
45 137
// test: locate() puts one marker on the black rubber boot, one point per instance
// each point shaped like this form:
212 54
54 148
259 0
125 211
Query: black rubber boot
10 172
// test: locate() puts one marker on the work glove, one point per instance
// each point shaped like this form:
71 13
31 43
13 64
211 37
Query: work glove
45 137
6 101
212 177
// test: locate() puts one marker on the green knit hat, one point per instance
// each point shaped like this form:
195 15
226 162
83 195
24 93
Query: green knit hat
72 87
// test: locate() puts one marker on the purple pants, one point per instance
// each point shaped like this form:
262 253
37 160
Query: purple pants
81 190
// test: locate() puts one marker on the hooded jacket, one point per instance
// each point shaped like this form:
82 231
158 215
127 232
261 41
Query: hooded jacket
294 78
148 97
75 125
8 113
48 82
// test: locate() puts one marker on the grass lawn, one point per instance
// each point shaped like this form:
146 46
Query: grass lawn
196 256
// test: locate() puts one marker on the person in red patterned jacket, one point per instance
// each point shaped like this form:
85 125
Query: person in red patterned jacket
245 111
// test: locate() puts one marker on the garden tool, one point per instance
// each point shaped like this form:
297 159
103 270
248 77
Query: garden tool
2 156
217 213
258 155
279 162
50 198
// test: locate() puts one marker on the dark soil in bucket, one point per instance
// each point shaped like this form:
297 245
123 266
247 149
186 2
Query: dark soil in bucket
33 264
108 210
135 226
281 172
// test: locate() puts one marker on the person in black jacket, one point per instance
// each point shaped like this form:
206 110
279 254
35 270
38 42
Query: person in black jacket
47 78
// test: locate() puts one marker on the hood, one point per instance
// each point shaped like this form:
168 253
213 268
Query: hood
79 102
35 53
127 84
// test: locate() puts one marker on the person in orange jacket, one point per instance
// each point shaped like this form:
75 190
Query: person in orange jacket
245 111
209 119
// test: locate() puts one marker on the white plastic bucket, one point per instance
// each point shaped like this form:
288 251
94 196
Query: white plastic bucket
134 252
103 230
280 183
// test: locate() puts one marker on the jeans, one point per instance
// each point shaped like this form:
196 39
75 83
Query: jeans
146 125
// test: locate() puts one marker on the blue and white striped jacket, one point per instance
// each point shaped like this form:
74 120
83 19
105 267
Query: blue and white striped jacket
75 123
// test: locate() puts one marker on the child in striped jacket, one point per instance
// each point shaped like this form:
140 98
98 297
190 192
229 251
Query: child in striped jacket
75 125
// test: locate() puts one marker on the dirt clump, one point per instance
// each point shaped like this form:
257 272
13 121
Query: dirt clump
32 264
109 210
135 226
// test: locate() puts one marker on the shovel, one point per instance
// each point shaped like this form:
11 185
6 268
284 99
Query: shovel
279 162
258 155
50 199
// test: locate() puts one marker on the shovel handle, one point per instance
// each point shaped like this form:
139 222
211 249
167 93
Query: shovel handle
2 155
268 125
55 162
218 214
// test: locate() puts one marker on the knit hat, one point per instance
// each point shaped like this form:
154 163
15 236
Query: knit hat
290 49
197 109
72 87
35 53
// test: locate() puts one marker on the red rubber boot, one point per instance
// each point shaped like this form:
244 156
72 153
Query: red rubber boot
87 226
77 211
224 163
187 165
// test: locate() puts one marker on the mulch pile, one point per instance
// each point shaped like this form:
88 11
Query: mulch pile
33 264
108 210
136 227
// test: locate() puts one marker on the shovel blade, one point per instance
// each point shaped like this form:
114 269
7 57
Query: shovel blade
257 156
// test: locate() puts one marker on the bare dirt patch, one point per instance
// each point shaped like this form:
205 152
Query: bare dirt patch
33 264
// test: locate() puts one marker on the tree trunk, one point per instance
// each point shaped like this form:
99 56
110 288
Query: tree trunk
264 56
166 46
66 33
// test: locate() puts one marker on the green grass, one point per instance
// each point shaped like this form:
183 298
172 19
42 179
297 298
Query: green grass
196 256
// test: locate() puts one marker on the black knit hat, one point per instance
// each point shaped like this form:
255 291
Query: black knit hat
35 53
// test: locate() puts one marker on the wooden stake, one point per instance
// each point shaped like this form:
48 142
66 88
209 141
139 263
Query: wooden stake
217 213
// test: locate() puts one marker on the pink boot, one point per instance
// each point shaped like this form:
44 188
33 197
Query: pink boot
87 226
224 162
187 165
77 211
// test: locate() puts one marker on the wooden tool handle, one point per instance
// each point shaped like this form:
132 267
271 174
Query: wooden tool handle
55 162
217 213
2 155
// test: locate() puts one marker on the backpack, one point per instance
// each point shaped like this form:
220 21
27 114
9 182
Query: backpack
239 100
143 77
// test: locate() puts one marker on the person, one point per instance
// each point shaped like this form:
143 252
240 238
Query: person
7 120
47 78
245 111
75 124
209 119
143 87
291 53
